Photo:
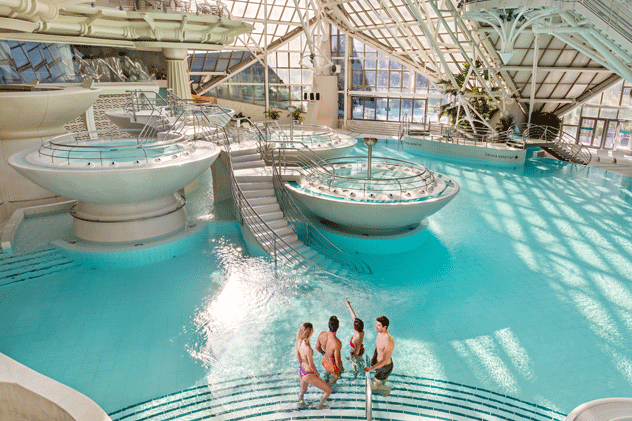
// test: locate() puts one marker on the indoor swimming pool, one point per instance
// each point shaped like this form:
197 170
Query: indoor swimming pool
523 287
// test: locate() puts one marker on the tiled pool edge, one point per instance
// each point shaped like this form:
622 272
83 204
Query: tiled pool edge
7 236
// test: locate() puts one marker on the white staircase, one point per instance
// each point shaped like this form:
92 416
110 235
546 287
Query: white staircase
255 182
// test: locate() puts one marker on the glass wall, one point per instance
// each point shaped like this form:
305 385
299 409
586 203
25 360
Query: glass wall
396 91
605 121
288 80
23 62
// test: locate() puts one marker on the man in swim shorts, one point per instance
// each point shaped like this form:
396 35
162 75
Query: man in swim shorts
382 361
329 345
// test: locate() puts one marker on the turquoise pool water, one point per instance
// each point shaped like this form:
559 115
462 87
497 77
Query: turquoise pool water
524 287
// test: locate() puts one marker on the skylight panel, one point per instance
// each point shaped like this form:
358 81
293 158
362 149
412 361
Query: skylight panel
288 14
252 10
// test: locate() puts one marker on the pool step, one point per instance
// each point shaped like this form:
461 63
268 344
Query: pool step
25 266
274 397
259 191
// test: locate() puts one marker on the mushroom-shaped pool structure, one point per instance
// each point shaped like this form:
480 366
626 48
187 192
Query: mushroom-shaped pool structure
126 185
379 197
149 108
29 115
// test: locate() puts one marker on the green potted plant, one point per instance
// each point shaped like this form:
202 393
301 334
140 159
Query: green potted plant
297 115
272 114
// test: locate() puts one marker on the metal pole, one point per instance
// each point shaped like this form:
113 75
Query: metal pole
369 393
370 142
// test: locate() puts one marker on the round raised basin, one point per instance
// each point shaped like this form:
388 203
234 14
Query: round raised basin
398 195
126 191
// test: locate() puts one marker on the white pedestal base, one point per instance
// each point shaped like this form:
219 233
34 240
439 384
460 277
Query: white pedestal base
108 223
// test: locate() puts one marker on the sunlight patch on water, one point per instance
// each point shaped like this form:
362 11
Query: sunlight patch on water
586 253
482 356
544 236
525 253
514 228
493 221
614 290
566 229
597 316
427 366
622 363
626 318
534 220
518 355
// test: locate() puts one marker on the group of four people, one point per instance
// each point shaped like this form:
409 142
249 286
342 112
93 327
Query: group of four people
330 346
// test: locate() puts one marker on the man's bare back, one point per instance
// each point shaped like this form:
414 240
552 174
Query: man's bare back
330 346
328 343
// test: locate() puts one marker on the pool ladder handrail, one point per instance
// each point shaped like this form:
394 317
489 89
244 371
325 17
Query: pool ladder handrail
457 134
369 392
275 245
302 226
558 143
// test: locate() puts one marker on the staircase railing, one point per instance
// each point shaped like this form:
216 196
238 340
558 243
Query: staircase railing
562 141
459 134
270 242
300 223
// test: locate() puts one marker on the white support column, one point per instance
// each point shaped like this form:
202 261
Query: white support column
266 93
178 78
347 104
534 73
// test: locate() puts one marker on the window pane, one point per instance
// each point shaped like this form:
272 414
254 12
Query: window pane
369 108
393 109
357 106
381 104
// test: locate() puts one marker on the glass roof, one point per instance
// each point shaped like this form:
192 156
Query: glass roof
431 38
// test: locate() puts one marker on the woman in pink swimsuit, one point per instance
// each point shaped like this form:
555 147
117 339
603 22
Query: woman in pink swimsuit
306 369
357 349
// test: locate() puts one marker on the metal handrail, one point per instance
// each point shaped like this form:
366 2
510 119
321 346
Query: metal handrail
461 135
304 229
268 239
573 151
107 146
421 178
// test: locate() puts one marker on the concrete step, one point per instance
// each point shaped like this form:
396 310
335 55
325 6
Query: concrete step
255 201
262 209
334 267
324 262
273 224
256 186
253 177
244 151
258 193
248 164
272 216
251 157
281 231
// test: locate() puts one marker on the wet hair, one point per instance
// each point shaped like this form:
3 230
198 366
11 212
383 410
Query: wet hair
333 324
358 325
304 331
383 320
